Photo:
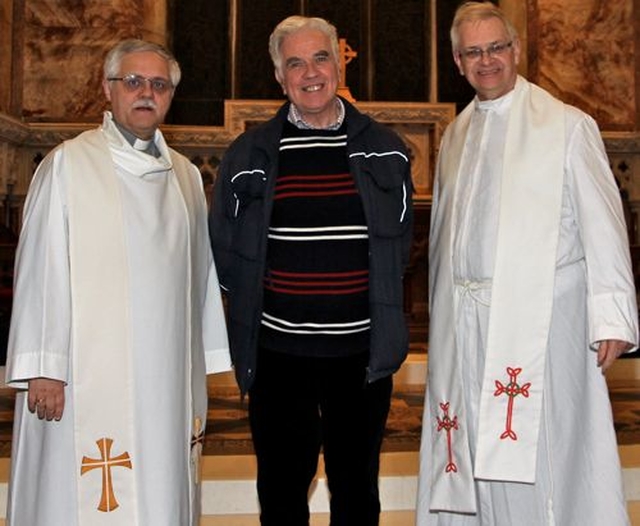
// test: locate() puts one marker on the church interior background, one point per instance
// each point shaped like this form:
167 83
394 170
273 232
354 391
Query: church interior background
400 70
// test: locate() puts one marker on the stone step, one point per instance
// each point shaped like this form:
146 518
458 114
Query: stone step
229 496
387 518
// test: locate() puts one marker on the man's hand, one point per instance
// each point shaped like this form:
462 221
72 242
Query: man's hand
46 398
609 351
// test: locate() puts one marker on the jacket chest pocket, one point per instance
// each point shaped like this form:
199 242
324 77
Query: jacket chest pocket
388 194
248 211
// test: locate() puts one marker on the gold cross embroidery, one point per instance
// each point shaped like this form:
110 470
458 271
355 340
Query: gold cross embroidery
108 500
197 441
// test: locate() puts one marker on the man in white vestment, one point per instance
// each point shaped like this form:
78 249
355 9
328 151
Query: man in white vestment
117 318
531 301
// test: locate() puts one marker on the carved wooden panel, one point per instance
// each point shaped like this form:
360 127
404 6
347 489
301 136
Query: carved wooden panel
421 126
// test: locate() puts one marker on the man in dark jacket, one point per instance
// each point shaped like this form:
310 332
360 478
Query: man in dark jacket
311 231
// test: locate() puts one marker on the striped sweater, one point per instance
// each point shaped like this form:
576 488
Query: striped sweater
317 278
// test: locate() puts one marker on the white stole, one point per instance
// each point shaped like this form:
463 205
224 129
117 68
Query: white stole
521 305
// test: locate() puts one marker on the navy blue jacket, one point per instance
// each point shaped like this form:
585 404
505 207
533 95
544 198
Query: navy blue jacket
240 215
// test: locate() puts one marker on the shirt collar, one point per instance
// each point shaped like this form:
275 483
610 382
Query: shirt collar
295 118
500 104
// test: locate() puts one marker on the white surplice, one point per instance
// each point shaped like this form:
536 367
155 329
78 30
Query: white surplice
131 319
576 471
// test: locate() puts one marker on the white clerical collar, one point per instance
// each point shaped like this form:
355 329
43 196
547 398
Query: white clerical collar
147 146
498 104
295 118
141 145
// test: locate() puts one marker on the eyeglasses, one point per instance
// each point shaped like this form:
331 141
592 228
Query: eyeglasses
135 82
492 50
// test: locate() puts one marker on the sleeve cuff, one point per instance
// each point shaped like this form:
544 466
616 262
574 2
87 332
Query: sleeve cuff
613 316
22 367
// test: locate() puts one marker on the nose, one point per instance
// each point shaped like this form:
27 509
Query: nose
146 89
486 56
311 70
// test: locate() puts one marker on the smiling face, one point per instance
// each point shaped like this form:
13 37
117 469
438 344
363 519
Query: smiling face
309 75
140 111
491 75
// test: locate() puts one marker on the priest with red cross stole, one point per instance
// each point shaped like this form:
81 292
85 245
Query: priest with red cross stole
531 300
311 231
117 318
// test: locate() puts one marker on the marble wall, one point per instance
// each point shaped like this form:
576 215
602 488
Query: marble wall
63 43
587 52
584 51
6 31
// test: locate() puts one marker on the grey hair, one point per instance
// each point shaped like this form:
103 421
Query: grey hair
474 12
114 58
295 23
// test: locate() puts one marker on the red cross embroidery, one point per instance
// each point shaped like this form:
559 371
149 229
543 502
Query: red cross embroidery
448 424
512 389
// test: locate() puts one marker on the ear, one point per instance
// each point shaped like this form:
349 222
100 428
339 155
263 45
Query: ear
280 80
106 87
516 50
458 61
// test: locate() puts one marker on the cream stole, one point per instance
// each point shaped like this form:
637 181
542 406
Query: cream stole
101 332
522 291
521 304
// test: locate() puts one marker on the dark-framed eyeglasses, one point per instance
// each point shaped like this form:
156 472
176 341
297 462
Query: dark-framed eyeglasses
135 82
492 50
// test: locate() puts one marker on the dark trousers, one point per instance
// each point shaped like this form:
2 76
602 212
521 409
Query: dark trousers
298 405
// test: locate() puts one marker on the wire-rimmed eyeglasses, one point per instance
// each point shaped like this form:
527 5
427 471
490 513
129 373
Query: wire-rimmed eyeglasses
492 50
135 82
